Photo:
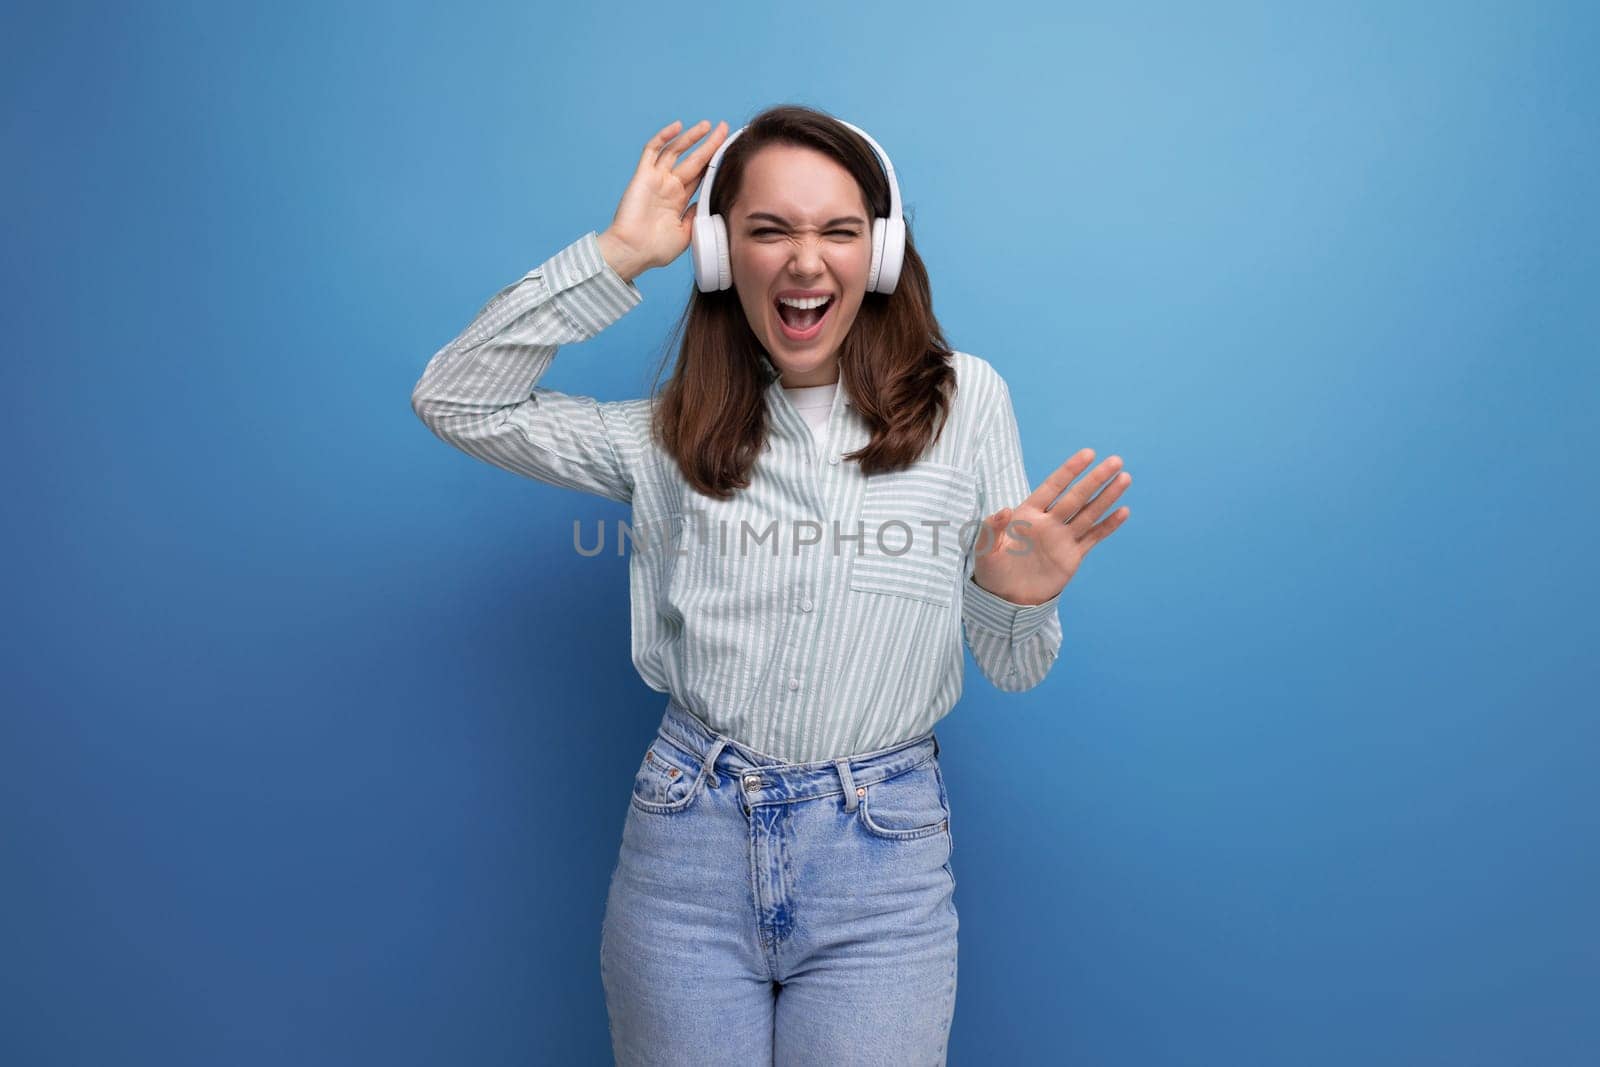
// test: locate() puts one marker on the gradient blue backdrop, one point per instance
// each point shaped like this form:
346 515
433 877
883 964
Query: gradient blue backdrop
318 734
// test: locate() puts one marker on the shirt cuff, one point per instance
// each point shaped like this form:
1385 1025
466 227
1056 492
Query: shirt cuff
604 297
995 613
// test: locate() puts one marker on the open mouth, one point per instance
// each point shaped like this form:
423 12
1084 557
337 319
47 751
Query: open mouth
803 324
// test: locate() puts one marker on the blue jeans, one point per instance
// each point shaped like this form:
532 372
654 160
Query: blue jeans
764 912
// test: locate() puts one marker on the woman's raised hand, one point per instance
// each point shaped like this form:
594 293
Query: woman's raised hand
1028 553
652 225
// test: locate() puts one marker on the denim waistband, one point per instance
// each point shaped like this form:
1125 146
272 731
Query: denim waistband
765 779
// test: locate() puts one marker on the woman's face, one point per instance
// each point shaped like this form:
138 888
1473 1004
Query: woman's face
798 224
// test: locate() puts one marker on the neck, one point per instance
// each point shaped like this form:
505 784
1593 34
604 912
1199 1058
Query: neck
827 374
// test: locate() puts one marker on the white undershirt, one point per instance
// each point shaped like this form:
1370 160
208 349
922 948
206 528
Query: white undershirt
814 402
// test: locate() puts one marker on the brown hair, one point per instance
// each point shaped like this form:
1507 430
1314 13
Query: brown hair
894 364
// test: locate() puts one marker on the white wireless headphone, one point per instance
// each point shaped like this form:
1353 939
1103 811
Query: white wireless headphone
710 237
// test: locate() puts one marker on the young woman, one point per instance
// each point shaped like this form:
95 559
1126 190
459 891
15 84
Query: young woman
826 498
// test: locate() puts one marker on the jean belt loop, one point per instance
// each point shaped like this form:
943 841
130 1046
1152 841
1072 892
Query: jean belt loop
843 766
935 746
711 762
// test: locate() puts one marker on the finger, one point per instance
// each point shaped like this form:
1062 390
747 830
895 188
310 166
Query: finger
695 162
1091 512
678 144
990 535
1059 479
652 147
1105 529
1076 497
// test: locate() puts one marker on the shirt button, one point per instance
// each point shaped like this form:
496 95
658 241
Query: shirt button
794 683
834 459
806 605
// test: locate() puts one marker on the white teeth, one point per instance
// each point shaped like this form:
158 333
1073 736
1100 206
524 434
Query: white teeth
810 302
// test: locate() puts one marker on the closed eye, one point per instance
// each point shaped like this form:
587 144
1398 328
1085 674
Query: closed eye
769 229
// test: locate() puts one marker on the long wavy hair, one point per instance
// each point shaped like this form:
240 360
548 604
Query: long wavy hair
894 364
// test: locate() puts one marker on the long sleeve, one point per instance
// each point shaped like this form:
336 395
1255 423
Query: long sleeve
478 393
1014 645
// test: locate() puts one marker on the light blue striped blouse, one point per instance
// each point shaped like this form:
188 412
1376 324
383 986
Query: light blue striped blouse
817 614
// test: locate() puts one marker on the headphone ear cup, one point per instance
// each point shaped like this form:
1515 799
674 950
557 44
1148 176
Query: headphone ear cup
703 242
724 266
875 268
891 255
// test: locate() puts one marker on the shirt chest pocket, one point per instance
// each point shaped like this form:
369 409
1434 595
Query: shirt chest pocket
913 539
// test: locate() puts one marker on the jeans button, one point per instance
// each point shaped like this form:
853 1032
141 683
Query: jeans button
752 782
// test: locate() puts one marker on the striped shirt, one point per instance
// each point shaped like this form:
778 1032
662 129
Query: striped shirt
819 612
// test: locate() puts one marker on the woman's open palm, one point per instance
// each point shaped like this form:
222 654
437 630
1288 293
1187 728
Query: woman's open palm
1028 553
650 220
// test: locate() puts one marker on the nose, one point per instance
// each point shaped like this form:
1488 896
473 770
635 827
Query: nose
807 259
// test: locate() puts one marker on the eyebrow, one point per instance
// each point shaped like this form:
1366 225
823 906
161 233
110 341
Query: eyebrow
780 220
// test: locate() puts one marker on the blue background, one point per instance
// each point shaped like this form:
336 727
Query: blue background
318 734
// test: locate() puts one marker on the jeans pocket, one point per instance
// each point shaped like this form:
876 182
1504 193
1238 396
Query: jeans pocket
907 806
668 779
949 835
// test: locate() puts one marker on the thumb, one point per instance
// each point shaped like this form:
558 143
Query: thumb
996 526
686 225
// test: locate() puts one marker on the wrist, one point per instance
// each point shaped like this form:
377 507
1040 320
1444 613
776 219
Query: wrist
619 257
1020 600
